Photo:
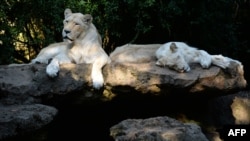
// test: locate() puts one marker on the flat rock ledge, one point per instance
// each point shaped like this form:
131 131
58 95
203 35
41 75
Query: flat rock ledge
123 74
156 129
31 80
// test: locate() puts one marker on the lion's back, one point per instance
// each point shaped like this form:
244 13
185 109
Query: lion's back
133 53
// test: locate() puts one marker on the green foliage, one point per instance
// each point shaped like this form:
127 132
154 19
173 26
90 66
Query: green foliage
28 26
207 24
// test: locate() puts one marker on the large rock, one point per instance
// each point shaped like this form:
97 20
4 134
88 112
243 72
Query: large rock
142 76
20 119
156 129
32 79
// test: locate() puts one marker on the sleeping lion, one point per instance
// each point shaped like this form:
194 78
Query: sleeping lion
82 44
178 56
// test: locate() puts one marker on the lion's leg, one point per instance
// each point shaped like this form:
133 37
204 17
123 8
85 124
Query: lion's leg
54 67
40 59
48 53
161 62
205 59
181 66
96 73
43 57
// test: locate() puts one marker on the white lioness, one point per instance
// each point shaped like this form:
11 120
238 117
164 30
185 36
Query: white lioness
82 44
178 56
133 53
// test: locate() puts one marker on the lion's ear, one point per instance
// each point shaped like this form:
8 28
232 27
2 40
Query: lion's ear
67 13
173 47
87 18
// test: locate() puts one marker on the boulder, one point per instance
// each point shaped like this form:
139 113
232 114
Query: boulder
156 129
21 119
134 66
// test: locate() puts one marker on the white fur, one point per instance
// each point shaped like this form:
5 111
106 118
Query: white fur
178 56
133 53
82 44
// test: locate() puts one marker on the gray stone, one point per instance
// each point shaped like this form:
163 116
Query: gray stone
143 77
134 66
156 129
19 119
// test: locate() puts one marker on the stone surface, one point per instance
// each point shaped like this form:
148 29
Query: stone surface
142 76
241 110
156 129
19 119
24 87
32 79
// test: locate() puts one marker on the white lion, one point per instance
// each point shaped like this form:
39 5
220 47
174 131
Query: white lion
133 53
178 56
82 44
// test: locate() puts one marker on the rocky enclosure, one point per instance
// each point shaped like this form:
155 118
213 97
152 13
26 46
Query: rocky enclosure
24 87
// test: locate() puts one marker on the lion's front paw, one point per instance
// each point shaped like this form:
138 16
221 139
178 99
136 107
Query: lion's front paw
187 68
98 83
182 68
205 64
52 70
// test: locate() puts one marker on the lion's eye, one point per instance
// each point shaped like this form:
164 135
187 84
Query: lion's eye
77 24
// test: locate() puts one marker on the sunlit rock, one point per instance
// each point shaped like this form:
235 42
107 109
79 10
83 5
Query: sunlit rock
144 77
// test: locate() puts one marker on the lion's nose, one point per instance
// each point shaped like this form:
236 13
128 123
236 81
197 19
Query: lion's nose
67 31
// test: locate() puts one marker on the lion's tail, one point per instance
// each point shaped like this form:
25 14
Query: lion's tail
223 62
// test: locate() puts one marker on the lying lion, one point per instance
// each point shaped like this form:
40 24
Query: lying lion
82 44
174 55
178 56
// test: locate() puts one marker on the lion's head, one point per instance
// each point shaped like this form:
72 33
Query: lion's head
76 25
173 59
